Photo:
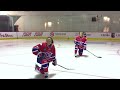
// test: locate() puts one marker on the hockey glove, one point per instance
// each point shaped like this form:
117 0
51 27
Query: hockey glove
54 62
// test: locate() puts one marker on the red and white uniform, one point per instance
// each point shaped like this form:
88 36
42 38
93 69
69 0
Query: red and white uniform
48 50
80 42
45 54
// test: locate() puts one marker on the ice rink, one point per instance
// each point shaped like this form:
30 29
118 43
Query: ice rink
17 60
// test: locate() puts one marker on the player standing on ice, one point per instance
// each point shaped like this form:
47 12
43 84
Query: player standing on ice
80 43
45 54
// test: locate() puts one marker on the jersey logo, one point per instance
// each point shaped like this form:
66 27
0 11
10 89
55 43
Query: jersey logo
44 49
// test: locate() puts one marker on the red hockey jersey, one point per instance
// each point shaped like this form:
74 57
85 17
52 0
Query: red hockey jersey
80 39
48 50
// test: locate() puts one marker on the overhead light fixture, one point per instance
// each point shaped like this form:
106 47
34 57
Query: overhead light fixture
49 24
57 22
45 25
106 19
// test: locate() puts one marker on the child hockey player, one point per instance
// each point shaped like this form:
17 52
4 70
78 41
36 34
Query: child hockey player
80 43
45 54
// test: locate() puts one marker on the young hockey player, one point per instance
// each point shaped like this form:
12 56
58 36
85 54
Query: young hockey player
80 43
45 54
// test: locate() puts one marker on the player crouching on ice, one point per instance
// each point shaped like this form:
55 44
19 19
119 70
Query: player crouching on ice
80 43
45 54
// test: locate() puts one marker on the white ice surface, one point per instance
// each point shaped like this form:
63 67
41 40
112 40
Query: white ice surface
17 61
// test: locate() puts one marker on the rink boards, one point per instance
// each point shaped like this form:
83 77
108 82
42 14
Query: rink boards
91 36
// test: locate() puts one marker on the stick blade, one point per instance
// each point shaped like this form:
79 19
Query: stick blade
99 57
70 69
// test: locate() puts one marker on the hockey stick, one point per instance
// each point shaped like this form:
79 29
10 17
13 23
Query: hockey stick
64 67
94 54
